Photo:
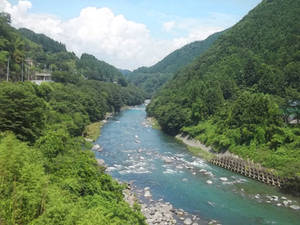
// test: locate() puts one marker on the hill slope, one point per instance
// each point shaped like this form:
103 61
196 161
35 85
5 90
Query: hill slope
44 161
49 45
242 93
152 78
46 53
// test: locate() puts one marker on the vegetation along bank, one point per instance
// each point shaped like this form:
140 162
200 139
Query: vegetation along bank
48 175
243 94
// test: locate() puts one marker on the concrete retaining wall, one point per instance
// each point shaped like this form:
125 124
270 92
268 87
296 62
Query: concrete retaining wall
247 169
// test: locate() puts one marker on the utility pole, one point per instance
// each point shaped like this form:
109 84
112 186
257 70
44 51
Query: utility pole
7 75
22 73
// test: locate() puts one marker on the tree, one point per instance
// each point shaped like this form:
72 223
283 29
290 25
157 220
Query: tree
21 111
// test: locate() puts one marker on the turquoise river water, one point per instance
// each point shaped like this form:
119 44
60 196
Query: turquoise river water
135 152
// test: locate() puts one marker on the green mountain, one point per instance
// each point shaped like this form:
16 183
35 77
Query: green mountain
45 53
48 44
243 94
150 79
92 68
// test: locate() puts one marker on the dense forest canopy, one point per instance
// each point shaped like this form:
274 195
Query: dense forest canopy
48 44
48 175
243 94
95 69
150 79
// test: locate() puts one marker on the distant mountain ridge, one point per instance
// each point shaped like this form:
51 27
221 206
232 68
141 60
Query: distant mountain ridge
66 65
150 79
182 56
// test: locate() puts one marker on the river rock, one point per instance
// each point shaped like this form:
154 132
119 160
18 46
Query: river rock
167 160
180 213
296 207
209 182
202 171
188 221
100 162
208 173
275 198
147 194
223 178
96 147
285 203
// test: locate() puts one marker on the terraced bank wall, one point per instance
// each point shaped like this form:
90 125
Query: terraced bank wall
247 168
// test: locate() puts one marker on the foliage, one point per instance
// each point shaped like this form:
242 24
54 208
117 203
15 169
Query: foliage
48 44
11 49
150 79
21 111
65 188
46 174
95 69
242 94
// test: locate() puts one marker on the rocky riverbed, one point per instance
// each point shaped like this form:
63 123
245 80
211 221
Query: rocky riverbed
159 212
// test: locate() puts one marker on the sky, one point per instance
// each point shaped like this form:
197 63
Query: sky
126 33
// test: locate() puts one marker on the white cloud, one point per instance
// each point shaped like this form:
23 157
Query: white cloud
112 38
168 26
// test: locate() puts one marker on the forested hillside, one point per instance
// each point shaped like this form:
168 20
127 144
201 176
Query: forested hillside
48 174
150 79
243 94
47 43
44 53
95 69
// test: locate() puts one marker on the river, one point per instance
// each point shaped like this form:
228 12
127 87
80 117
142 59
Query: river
135 152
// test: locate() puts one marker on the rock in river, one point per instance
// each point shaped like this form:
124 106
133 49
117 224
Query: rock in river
209 182
223 179
188 221
96 147
167 159
147 194
296 207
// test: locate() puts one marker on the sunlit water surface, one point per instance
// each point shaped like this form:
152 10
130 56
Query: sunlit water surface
136 152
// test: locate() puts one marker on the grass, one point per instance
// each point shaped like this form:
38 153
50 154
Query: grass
201 153
93 131
155 124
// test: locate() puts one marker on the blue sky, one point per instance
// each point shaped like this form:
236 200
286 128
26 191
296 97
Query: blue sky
172 23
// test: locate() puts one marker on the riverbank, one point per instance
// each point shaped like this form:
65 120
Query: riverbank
93 130
232 162
160 212
153 122
196 147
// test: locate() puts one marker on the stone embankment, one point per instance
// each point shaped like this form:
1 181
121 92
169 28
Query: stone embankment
232 162
247 168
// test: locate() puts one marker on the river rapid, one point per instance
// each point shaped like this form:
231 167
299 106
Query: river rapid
135 152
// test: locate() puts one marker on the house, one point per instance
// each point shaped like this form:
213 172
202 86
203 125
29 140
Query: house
42 77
